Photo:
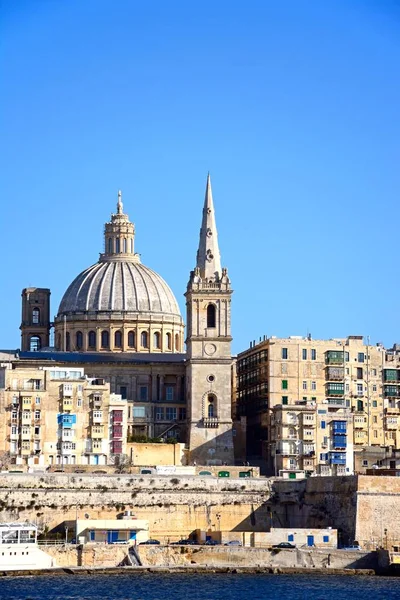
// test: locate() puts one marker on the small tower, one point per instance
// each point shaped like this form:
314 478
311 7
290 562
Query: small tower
119 236
35 324
209 360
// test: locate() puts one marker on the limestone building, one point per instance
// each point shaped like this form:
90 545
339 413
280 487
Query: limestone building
120 322
315 404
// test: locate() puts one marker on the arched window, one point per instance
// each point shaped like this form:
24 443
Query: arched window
144 339
168 339
35 343
177 342
109 245
131 339
157 340
67 342
124 245
35 316
211 315
211 409
118 339
117 246
92 339
131 246
59 342
105 339
79 340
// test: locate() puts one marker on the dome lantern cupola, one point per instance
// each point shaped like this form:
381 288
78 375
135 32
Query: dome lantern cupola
119 237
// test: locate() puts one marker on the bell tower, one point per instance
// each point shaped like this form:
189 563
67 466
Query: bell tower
209 360
35 323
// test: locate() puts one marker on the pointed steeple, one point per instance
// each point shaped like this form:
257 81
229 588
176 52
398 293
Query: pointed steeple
208 256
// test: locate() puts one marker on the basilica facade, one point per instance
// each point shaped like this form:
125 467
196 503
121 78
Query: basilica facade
120 322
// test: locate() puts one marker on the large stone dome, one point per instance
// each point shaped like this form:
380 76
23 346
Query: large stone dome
118 304
119 286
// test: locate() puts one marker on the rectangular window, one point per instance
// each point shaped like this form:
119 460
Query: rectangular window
285 399
169 393
374 372
159 413
37 400
325 539
304 385
360 389
139 412
374 388
182 414
284 353
304 353
323 424
374 419
290 537
98 414
375 434
123 391
314 385
171 413
79 402
37 414
361 357
284 384
143 393
359 373
313 354
374 403
37 430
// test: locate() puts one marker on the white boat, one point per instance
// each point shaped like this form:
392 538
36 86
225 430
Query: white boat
19 549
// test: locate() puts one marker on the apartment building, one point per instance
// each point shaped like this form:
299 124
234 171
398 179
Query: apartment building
53 415
351 388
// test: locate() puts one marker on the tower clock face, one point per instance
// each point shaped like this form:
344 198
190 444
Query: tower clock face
210 349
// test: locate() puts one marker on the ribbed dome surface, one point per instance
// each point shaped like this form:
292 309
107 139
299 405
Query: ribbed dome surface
119 286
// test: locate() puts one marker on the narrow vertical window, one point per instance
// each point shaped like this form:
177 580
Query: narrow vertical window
156 340
124 245
144 339
79 340
35 316
284 353
118 339
211 315
67 341
168 340
177 342
304 353
109 245
117 245
92 339
105 339
131 339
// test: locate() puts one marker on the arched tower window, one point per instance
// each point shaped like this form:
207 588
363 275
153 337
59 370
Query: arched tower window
131 246
131 339
92 339
124 245
144 339
117 246
157 340
118 339
109 245
67 341
177 342
211 315
211 406
105 339
35 316
169 341
79 340
35 343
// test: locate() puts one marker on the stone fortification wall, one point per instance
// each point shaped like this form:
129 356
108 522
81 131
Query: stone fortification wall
378 509
100 555
173 506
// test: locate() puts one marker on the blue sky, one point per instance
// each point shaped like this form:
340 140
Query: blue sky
292 106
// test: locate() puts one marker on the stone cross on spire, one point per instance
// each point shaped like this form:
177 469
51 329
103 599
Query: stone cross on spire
120 206
208 256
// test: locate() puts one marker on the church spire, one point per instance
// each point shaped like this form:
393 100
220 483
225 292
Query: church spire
208 256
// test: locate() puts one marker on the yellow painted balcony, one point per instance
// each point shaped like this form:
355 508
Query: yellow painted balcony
97 433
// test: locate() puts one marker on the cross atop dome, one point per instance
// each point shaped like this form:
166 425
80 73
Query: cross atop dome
120 206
